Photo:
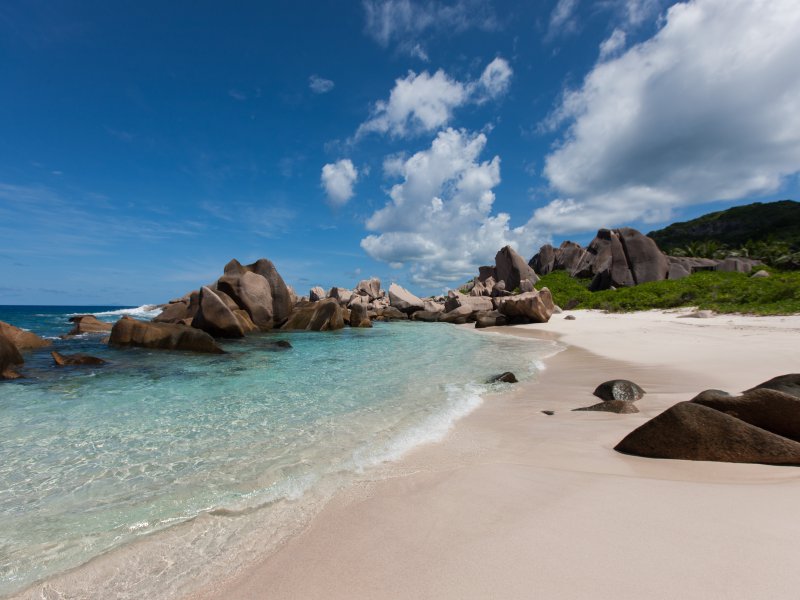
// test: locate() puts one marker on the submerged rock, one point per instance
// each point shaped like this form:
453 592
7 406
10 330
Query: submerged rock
507 377
69 360
690 431
619 389
88 324
161 336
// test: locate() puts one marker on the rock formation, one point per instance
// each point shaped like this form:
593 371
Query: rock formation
788 384
70 360
619 389
22 339
529 307
325 315
88 324
403 300
620 407
215 315
9 358
161 336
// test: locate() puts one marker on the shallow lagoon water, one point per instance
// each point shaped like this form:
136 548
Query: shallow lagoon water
172 448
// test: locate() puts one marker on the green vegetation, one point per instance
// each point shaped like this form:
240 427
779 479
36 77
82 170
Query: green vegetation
723 292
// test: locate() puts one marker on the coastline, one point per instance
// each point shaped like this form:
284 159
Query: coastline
515 503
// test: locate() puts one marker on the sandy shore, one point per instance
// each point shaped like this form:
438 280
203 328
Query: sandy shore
518 504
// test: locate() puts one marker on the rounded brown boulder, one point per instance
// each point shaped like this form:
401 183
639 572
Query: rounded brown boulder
9 358
22 339
161 336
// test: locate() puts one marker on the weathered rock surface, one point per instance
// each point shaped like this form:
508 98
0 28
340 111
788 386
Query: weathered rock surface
161 336
788 384
325 315
316 294
737 265
390 313
511 268
369 287
341 294
282 298
543 262
620 407
507 377
426 316
22 339
529 307
760 274
250 292
766 408
215 316
359 316
689 431
69 360
473 303
491 318
9 358
619 389
645 260
173 312
403 300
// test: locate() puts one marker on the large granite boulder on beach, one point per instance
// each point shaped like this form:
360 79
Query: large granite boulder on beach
325 315
359 316
543 262
9 358
250 292
689 431
567 255
161 336
768 409
473 303
390 313
511 268
216 317
369 287
458 316
282 297
426 316
788 384
88 324
644 258
529 307
490 318
620 407
73 360
619 389
21 338
403 300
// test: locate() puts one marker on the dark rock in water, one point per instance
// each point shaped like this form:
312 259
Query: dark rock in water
766 408
282 297
619 389
621 407
9 358
69 360
88 324
569 318
426 316
491 318
690 431
788 384
161 336
325 315
512 268
359 316
23 340
173 312
283 344
277 345
507 377
549 413
215 316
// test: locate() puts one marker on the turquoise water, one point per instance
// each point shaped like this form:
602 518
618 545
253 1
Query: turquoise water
94 459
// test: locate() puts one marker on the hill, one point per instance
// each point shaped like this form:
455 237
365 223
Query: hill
773 222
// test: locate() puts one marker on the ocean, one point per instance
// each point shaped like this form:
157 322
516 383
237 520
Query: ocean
142 476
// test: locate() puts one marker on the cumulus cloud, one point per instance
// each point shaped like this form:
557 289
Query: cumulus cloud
708 109
423 103
405 24
439 219
338 180
613 44
320 85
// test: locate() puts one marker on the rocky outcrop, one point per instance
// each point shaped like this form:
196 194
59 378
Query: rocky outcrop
390 313
619 389
359 316
174 312
403 300
88 324
512 269
426 316
620 407
473 303
529 307
737 265
788 384
216 317
72 360
9 358
22 339
543 262
766 408
250 292
369 287
282 297
341 294
690 431
491 318
325 315
507 377
161 336
564 258
316 294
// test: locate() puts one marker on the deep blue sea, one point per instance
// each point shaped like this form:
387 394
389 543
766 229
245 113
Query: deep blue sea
144 471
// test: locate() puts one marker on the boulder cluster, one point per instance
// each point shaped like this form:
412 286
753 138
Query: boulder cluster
13 342
761 425
625 257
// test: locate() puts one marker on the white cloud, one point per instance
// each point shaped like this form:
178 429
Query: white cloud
439 219
562 19
404 23
613 44
423 103
708 109
320 85
338 179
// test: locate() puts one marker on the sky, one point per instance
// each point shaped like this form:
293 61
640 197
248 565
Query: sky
143 145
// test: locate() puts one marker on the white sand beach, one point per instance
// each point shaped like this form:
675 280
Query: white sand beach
518 504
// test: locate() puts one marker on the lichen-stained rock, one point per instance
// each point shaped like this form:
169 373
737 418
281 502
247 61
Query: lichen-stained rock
403 300
22 339
530 307
325 315
161 336
689 431
512 268
215 317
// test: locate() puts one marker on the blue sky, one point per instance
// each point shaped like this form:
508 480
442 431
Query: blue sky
143 145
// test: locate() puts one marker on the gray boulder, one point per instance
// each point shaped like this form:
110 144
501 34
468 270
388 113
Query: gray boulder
512 268
646 261
619 389
473 303
543 262
403 300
